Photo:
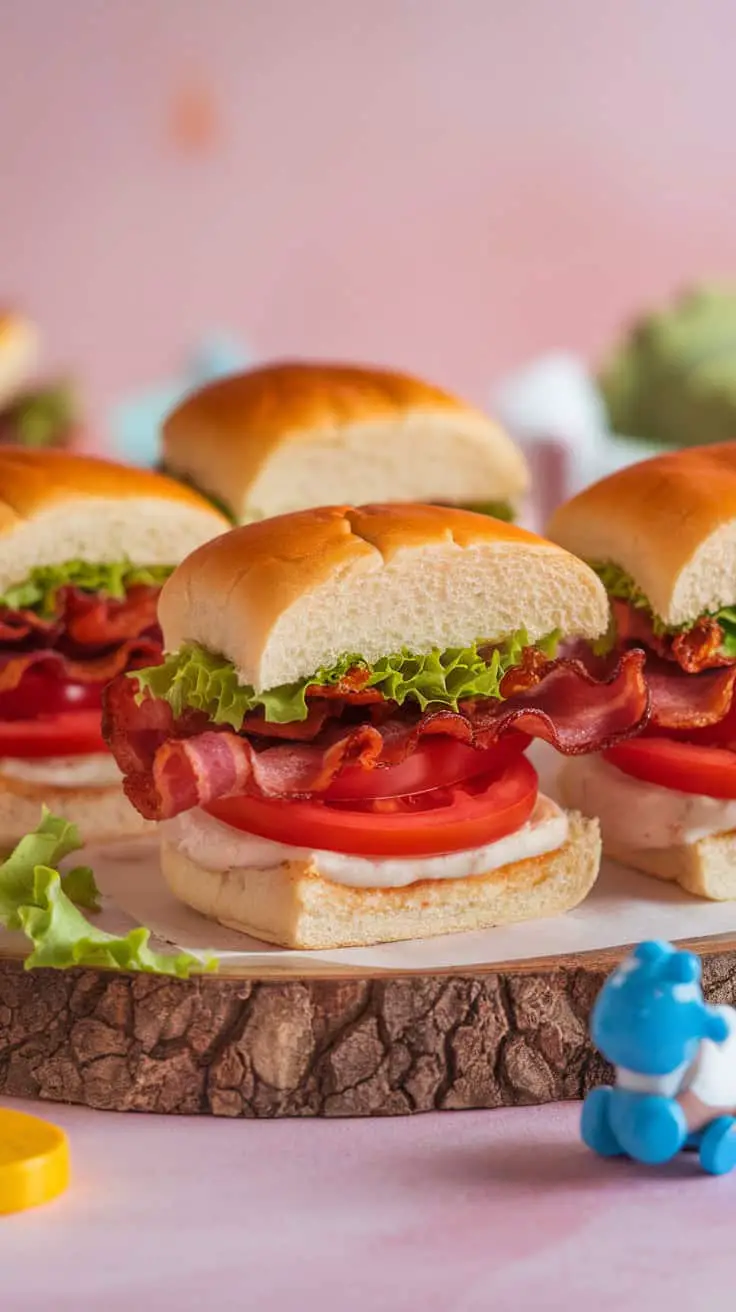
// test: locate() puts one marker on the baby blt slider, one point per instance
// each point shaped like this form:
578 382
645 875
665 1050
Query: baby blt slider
291 435
85 546
662 537
335 741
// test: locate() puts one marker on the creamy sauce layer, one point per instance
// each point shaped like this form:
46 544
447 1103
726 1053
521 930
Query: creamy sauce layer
95 771
216 846
641 814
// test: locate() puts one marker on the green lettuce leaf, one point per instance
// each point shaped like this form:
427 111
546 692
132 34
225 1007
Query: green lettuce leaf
194 679
621 585
496 509
45 906
43 417
38 591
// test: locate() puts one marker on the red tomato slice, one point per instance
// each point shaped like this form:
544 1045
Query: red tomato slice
42 692
453 819
686 767
437 762
74 733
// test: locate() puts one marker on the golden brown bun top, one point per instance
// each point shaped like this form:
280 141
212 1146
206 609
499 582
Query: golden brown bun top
669 522
294 397
33 482
285 596
307 547
224 436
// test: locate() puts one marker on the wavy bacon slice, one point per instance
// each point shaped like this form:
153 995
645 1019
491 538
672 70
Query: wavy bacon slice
97 669
94 621
84 619
688 701
17 625
173 765
694 650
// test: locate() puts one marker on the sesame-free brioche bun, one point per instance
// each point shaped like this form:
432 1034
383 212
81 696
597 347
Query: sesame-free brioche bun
292 435
670 522
56 507
19 350
293 905
286 596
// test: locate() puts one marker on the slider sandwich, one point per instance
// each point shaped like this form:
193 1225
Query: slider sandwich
293 435
85 546
662 537
335 741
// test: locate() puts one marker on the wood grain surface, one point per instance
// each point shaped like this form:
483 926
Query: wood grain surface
334 1043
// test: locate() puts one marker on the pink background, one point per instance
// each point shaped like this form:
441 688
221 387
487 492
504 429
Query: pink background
451 185
451 1212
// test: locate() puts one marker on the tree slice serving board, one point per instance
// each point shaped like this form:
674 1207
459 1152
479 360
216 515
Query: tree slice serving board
351 1034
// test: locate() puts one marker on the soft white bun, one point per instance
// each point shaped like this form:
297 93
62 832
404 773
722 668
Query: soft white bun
706 868
294 906
281 598
292 435
670 522
19 350
56 507
101 814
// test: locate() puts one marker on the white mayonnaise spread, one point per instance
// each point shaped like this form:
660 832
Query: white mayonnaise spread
97 770
641 814
216 846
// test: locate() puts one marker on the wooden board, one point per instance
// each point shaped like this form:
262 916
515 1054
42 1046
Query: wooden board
337 1042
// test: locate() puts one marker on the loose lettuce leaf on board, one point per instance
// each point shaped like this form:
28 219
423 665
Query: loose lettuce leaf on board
45 905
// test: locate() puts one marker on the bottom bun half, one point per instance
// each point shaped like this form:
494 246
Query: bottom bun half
100 814
294 906
704 867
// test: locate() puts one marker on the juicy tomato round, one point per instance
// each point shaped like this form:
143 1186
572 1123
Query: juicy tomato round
437 762
73 733
685 766
462 816
41 692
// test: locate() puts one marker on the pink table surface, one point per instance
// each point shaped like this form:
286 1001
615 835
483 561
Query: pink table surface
457 1212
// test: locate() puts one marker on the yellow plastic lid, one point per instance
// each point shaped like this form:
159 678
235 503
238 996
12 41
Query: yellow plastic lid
34 1161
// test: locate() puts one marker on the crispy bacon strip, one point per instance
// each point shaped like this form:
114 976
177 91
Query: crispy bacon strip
83 619
173 765
688 701
350 689
694 650
699 648
16 625
94 621
98 669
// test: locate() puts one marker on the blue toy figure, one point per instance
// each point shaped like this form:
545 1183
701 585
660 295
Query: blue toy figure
675 1063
